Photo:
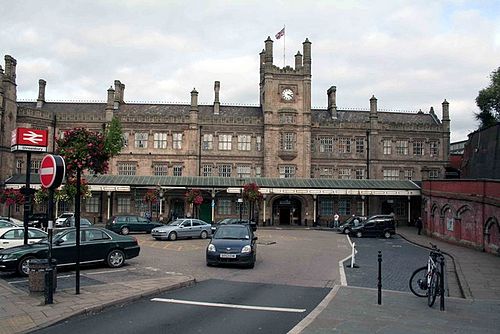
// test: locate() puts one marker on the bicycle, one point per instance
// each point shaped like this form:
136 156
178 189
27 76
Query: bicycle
425 281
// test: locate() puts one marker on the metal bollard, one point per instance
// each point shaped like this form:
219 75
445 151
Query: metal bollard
379 285
353 255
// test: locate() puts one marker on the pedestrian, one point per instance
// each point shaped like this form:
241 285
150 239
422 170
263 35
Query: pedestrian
336 220
419 225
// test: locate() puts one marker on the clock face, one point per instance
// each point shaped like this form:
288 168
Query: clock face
287 94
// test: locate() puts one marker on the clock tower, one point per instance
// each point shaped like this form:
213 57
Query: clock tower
285 99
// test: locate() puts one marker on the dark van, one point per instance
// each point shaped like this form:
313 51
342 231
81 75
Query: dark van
377 226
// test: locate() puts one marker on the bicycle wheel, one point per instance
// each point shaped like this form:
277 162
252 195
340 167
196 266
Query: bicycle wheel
433 288
418 282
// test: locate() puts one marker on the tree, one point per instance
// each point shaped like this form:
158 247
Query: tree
488 102
114 137
252 194
10 197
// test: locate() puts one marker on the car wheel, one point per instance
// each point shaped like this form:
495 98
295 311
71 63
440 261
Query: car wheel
359 234
387 234
251 265
124 230
347 231
203 234
23 266
172 236
115 258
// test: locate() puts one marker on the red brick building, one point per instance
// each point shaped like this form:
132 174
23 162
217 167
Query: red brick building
464 212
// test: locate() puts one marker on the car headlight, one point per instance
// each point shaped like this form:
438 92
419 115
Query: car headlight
5 256
246 249
211 248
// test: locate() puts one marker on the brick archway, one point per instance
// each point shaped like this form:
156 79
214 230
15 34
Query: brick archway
492 236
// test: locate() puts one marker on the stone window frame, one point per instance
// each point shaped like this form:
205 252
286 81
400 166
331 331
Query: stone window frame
244 171
409 174
344 206
160 140
344 173
224 206
418 147
344 144
207 169
177 140
402 147
19 166
123 204
434 148
390 174
326 172
288 141
258 171
177 169
244 142
386 146
225 170
326 144
326 206
287 171
434 174
141 139
127 168
125 136
258 143
92 204
208 142
359 173
360 145
225 141
160 168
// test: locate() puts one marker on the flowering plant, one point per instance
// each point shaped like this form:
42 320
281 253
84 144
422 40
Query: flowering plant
193 196
65 193
11 196
84 149
151 196
251 192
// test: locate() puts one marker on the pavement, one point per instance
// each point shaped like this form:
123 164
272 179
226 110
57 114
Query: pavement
346 309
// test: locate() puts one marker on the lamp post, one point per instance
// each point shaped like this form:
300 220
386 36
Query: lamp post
161 202
240 200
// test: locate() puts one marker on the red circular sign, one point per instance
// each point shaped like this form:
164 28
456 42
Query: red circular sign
52 169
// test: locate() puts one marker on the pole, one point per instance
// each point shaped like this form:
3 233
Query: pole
77 224
379 285
284 43
199 155
441 286
49 276
27 197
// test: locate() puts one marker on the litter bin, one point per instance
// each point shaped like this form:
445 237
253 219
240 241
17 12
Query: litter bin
39 269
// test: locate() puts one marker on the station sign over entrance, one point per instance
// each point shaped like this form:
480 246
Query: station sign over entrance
29 140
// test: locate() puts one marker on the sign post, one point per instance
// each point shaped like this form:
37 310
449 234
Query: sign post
52 170
28 140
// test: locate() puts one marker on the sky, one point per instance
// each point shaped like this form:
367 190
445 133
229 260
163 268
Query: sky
410 54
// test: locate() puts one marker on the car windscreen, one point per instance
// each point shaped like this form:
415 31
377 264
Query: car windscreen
232 232
175 222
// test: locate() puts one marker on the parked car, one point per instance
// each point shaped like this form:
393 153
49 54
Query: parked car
13 220
6 223
125 224
38 220
226 221
70 222
376 226
351 222
14 236
96 245
62 218
182 228
232 244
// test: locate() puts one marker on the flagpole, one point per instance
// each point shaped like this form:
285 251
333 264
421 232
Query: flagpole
284 43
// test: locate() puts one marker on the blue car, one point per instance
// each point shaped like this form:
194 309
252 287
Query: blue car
232 244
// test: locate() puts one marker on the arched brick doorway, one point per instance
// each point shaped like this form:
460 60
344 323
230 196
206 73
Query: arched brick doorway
287 210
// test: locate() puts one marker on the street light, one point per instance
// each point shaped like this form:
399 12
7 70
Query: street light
160 193
240 200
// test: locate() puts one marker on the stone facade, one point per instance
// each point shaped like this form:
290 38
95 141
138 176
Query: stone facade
282 137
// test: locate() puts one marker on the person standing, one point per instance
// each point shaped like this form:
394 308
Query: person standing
336 220
419 225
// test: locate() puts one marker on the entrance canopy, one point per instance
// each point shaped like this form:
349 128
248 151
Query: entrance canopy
124 183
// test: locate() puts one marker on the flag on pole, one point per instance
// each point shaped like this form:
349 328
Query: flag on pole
280 34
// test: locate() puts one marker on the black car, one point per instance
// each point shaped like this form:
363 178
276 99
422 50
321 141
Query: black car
96 245
70 222
351 222
226 221
232 244
376 226
38 220
124 224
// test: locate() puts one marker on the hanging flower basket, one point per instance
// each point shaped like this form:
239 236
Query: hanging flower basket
151 196
11 197
251 192
194 197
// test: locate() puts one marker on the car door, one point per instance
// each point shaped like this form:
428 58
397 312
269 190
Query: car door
11 238
95 245
144 225
197 227
133 224
186 229
368 229
64 247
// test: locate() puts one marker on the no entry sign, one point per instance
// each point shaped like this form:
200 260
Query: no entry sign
52 170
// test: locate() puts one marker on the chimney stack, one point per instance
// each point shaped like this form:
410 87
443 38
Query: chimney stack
41 93
307 55
332 101
10 69
216 102
119 93
269 51
298 60
194 100
373 105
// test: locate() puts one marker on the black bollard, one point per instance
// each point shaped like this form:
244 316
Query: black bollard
379 285
441 286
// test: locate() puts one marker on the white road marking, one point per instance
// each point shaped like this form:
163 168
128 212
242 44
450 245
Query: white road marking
245 307
106 272
343 278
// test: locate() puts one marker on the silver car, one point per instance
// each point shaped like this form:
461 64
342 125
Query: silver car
182 228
